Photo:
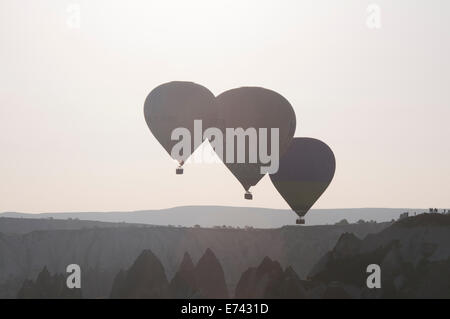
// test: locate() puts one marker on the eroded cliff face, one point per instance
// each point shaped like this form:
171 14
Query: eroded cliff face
210 277
269 280
413 255
184 283
47 286
145 279
102 252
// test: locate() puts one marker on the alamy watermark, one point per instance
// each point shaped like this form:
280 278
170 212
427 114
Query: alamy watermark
74 279
73 20
241 145
374 279
373 20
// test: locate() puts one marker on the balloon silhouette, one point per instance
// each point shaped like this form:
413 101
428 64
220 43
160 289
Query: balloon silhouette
254 107
305 171
177 105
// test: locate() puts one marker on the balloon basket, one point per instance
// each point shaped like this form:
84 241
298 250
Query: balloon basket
300 221
179 171
248 196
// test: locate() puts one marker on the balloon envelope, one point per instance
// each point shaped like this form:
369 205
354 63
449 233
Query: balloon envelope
176 105
254 107
306 170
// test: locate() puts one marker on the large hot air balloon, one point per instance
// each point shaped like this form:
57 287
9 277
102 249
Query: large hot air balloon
257 108
306 170
177 105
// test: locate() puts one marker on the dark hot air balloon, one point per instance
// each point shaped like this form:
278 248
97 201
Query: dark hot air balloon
177 105
306 170
254 108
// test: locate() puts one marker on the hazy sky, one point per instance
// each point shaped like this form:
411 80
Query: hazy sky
72 130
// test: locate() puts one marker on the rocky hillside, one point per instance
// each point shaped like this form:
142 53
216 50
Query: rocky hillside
209 277
184 283
47 286
102 252
269 280
205 280
146 279
413 255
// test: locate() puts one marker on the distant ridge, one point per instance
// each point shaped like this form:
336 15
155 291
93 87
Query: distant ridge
210 216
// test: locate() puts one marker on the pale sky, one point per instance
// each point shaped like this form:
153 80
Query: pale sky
73 135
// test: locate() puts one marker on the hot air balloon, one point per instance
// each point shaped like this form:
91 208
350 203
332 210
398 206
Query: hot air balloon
177 105
254 108
306 170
